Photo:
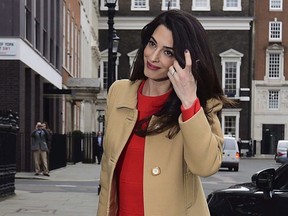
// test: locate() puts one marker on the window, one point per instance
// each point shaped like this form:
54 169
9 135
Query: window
105 74
232 5
64 36
275 62
230 120
45 28
139 4
104 69
68 41
230 125
231 62
201 5
132 56
37 31
174 4
275 31
275 5
274 65
28 6
230 79
273 99
72 45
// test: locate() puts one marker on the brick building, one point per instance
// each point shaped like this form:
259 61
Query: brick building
270 77
229 25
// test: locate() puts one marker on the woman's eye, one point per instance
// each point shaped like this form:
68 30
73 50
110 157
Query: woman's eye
152 43
169 53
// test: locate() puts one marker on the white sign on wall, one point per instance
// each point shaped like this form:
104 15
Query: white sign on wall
7 48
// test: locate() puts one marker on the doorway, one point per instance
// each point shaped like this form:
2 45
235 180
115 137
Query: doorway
271 133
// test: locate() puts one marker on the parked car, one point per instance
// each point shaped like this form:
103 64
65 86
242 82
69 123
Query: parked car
266 195
281 151
231 154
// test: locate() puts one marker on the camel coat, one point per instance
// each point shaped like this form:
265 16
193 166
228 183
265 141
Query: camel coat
172 167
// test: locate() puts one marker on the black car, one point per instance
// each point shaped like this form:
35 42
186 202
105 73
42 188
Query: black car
266 195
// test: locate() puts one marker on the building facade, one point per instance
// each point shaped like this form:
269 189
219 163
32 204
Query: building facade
229 26
81 59
30 60
48 55
270 77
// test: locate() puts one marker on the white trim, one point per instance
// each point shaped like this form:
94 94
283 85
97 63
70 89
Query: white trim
132 56
276 9
237 8
209 23
275 49
33 60
231 112
133 8
203 8
275 39
164 7
231 55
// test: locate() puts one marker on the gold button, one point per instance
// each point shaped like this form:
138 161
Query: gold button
156 171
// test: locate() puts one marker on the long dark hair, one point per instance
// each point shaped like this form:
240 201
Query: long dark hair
188 33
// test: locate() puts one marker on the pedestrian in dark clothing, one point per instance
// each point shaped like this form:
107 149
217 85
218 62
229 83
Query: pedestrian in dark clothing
99 146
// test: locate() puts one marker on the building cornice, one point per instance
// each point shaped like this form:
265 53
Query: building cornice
209 23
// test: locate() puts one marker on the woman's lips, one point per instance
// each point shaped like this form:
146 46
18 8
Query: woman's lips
152 67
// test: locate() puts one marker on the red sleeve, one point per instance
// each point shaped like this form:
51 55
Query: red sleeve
190 112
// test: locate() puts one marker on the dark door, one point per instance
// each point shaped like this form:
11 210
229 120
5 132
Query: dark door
271 133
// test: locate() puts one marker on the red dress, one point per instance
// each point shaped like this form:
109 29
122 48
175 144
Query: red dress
129 169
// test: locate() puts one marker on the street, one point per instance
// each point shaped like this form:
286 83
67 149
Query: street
38 186
222 179
247 167
72 190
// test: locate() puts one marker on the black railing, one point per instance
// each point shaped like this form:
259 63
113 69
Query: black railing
57 153
8 135
80 147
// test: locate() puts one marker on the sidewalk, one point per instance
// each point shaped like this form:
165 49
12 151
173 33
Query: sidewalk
26 203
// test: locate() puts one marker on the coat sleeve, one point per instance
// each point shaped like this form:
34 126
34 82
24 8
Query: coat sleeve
203 140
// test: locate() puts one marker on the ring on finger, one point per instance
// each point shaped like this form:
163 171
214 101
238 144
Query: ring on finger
173 72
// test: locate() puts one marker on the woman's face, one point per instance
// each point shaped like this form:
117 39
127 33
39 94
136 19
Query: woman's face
159 54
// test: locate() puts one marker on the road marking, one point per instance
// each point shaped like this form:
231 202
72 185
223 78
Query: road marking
71 186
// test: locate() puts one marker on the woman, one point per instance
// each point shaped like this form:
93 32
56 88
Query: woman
162 130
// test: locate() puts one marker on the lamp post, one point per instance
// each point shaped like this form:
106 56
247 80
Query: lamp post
113 41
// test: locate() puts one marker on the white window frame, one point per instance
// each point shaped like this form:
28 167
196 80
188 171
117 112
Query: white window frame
64 36
278 32
68 41
237 8
195 7
275 49
231 113
134 8
132 56
172 6
231 55
273 103
104 8
274 3
104 58
72 71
